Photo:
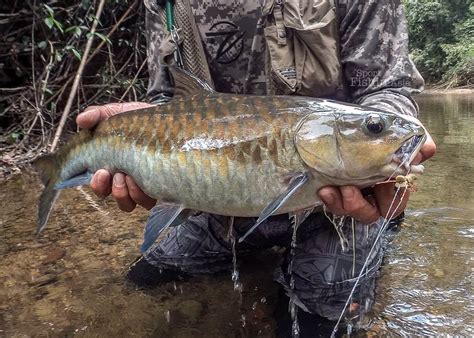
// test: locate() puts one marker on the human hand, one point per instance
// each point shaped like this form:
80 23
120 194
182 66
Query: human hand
123 188
348 200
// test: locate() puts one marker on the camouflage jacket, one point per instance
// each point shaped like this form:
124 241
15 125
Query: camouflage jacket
372 47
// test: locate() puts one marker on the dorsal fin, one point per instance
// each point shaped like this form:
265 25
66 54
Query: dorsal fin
187 84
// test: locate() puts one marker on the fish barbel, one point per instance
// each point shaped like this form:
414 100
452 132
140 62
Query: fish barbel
236 155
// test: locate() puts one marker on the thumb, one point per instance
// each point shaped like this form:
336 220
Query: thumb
92 115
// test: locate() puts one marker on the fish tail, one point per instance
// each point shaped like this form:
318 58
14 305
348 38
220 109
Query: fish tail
49 171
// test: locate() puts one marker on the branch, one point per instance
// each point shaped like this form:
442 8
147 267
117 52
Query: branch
99 46
77 78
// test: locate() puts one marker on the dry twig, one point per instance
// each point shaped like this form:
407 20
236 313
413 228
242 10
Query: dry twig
77 78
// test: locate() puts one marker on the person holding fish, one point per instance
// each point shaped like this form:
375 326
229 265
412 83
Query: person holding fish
354 51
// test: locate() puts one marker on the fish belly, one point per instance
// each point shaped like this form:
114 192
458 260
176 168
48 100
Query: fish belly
225 181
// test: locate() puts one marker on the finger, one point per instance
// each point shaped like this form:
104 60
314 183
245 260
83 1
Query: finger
357 206
332 199
120 193
92 115
391 205
427 150
137 194
101 183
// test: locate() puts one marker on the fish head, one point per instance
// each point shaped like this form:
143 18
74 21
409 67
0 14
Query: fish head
361 147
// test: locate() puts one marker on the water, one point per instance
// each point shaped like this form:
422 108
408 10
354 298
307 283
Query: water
426 284
71 279
235 269
295 329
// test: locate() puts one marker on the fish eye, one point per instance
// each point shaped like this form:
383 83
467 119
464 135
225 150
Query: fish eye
374 124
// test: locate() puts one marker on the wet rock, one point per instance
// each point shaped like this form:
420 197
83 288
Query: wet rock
126 235
192 310
257 314
54 255
40 293
4 249
36 245
9 282
107 239
186 332
43 309
43 280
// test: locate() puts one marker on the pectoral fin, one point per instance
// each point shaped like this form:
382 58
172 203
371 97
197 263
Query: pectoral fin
295 184
161 217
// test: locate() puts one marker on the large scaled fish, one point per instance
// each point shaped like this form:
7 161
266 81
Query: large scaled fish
235 155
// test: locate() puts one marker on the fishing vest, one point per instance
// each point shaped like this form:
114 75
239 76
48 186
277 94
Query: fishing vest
302 46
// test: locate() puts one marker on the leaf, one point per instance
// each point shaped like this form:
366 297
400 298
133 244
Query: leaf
49 22
42 44
49 9
59 57
13 138
77 30
58 25
76 53
103 38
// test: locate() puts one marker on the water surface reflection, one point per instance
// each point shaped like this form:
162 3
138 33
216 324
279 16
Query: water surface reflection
71 280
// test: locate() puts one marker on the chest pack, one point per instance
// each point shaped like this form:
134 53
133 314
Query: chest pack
301 37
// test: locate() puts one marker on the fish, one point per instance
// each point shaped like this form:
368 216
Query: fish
235 155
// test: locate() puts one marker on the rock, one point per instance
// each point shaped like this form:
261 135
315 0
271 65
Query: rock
40 293
126 235
43 280
54 255
107 238
192 310
4 249
186 332
257 314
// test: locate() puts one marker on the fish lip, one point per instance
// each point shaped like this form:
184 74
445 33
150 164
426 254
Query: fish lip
407 152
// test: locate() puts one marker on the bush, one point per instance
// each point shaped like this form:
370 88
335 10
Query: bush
41 46
442 39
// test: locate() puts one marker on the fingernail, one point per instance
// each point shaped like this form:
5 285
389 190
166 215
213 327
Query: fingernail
102 177
347 192
89 110
329 198
119 181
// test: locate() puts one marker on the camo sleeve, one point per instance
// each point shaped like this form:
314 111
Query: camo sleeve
159 85
374 55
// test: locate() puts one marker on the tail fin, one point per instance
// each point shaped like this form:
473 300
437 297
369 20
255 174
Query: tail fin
48 169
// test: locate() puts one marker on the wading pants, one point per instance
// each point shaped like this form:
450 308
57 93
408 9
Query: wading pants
324 271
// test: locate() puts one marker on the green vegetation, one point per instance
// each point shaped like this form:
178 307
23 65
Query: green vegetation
442 40
42 44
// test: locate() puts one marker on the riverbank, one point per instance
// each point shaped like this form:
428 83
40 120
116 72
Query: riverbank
452 91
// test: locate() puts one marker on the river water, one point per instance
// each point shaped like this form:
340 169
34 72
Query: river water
70 281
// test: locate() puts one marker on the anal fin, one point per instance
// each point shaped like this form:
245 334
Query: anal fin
76 181
162 217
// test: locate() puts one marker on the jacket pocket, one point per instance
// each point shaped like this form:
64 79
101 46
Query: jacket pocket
302 46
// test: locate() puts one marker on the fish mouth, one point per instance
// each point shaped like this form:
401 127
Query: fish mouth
407 152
